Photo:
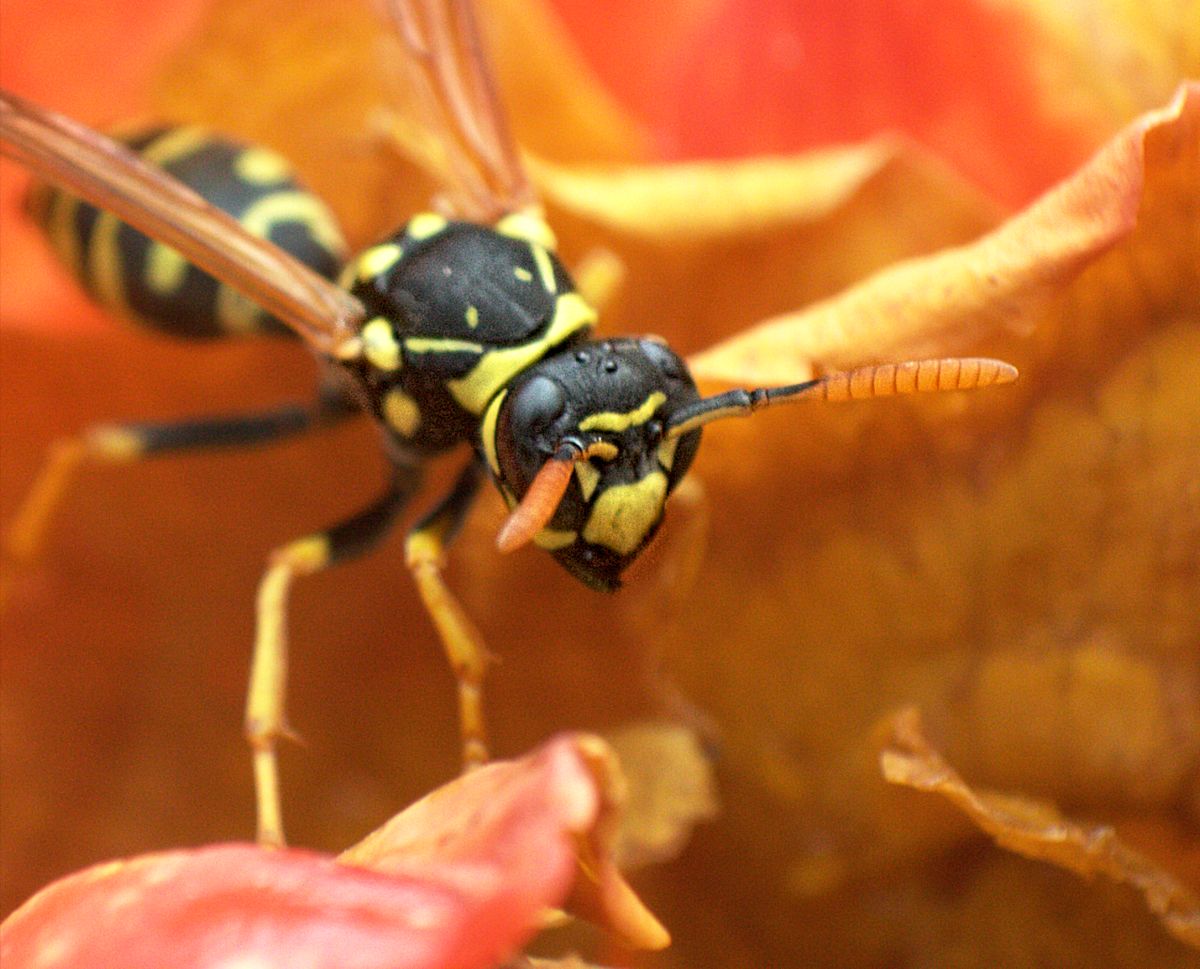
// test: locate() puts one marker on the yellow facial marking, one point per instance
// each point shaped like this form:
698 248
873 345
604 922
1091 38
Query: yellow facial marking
379 344
611 421
529 226
666 453
541 259
523 274
552 539
402 412
424 225
260 166
589 477
472 316
165 270
497 368
623 515
377 260
487 432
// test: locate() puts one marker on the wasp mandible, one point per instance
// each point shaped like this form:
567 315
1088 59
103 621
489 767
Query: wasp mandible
463 327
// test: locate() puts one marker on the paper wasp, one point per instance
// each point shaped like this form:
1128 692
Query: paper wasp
461 328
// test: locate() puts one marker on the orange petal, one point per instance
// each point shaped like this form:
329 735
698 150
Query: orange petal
1036 829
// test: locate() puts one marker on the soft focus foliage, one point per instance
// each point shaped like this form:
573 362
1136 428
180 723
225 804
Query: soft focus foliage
1022 564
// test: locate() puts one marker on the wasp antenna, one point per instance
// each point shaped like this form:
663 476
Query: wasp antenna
540 502
535 510
862 383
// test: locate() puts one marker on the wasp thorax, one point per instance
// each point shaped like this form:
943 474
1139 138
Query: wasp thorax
609 400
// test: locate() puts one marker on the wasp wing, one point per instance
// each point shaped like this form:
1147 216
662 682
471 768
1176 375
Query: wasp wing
479 160
111 177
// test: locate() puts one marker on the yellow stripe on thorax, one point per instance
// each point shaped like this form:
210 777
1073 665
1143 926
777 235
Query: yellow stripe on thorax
497 367
487 432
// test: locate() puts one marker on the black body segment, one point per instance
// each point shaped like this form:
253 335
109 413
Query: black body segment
147 281
455 312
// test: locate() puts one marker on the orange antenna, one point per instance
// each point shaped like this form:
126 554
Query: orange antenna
535 510
863 383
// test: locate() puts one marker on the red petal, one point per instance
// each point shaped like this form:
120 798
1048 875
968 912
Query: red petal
239 902
459 880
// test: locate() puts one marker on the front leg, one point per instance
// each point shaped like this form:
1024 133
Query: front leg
265 720
425 552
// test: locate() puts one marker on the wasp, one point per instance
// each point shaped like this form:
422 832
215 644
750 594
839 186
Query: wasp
461 329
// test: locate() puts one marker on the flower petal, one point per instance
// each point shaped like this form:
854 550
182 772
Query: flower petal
948 302
1036 829
523 822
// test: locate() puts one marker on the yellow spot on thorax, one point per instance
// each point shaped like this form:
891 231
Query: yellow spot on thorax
472 316
402 412
623 515
615 422
523 274
379 344
377 260
424 225
541 259
530 226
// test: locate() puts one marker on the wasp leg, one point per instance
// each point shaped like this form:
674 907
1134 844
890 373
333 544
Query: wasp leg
265 719
121 443
425 551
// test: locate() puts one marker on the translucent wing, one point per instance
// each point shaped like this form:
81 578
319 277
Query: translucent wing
111 177
479 160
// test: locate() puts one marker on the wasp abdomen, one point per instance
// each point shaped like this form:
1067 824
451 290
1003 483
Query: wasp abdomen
151 283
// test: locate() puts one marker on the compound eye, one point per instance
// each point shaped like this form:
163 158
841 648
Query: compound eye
538 404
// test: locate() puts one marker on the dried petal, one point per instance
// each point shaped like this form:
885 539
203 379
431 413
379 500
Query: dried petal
671 789
1036 829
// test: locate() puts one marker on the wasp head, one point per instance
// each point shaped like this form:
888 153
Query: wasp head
598 412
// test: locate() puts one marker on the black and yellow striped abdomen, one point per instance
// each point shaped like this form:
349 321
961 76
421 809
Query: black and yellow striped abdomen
144 280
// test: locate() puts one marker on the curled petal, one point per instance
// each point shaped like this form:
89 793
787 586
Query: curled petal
1037 830
954 299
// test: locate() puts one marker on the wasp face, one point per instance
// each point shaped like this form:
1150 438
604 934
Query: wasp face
611 400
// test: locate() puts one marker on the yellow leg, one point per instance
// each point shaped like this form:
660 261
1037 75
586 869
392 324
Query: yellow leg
265 720
461 640
425 550
122 443
26 534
